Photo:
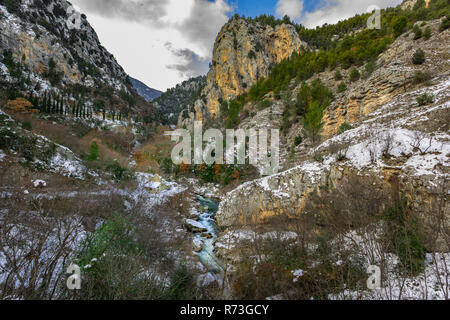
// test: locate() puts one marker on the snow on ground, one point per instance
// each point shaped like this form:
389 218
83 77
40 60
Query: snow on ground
432 284
160 195
39 183
49 251
231 239
2 155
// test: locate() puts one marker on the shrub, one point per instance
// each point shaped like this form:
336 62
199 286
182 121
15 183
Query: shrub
417 32
337 75
445 24
418 57
427 33
425 99
345 127
119 173
264 104
342 87
354 75
420 77
369 69
27 125
233 114
93 152
312 121
399 25
405 236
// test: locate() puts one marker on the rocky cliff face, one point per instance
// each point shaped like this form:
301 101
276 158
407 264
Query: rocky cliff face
35 31
243 53
396 146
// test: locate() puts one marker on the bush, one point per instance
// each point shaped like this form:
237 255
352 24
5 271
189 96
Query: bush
345 127
405 236
417 32
264 104
354 75
399 25
337 75
427 33
445 24
342 87
425 99
93 152
369 69
418 57
312 121
27 125
421 77
119 173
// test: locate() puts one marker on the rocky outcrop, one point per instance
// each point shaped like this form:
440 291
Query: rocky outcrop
401 148
39 32
243 53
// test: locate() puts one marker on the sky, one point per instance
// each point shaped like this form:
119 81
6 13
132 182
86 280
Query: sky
164 42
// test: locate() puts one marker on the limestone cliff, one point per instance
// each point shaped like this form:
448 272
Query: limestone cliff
243 53
35 31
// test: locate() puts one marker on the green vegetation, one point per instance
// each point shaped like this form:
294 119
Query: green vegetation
264 104
93 151
354 75
52 75
427 33
337 75
418 57
234 110
312 122
346 50
342 87
421 77
27 125
399 25
345 127
118 172
403 229
445 24
25 145
112 261
425 99
13 6
418 33
368 69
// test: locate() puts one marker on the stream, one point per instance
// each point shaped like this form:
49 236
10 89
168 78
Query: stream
207 256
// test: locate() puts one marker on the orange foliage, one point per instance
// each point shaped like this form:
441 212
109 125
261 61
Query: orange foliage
20 105
184 167
236 174
217 169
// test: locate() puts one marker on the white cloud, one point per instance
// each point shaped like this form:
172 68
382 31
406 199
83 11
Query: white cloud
291 8
137 33
333 11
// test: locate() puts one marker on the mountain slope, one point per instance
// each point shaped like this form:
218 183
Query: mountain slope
176 102
147 93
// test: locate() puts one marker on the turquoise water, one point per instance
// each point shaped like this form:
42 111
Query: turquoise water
207 256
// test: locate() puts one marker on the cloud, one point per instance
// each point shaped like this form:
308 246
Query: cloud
190 65
291 8
204 23
189 26
148 11
333 11
197 20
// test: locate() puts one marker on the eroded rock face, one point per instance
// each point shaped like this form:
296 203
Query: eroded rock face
39 33
400 148
243 53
